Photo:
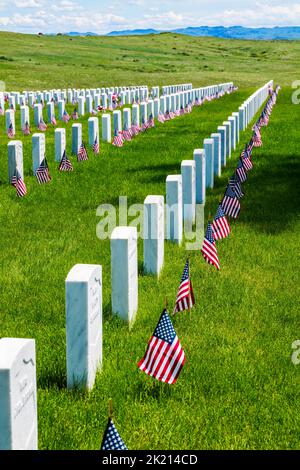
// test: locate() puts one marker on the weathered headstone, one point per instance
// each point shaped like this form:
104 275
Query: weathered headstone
81 106
231 120
18 395
154 234
50 111
199 158
15 159
124 272
83 325
38 151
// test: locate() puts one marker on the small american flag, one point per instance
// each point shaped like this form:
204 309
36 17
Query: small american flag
65 164
220 225
26 129
185 297
257 142
209 249
127 134
96 146
112 439
236 186
248 165
19 184
82 154
161 118
118 139
66 117
167 116
10 131
151 121
172 115
42 126
231 204
75 115
164 357
135 129
42 174
53 121
145 125
241 172
182 111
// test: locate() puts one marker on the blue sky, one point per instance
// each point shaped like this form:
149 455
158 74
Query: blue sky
103 16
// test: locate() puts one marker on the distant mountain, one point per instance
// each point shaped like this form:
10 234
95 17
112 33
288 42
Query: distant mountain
233 32
135 32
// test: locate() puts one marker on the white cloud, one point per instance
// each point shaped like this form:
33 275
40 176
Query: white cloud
29 3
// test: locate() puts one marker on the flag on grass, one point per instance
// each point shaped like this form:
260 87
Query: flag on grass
135 129
65 164
209 249
241 172
96 146
231 204
182 111
161 118
164 357
66 117
19 184
185 297
26 129
42 174
53 121
127 134
118 139
10 131
112 439
145 125
236 186
42 126
257 142
75 115
151 121
82 154
220 225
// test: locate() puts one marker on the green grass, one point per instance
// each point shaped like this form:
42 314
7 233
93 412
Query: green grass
239 388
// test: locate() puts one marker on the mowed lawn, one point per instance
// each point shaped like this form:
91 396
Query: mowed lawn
239 388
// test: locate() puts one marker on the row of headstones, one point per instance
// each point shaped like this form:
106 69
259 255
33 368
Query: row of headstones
165 103
168 89
18 399
71 95
131 116
100 96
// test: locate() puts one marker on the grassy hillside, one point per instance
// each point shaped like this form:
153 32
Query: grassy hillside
239 388
46 62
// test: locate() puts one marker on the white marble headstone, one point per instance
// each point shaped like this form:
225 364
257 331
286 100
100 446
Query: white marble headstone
60 144
38 151
124 272
18 395
76 138
83 325
93 126
154 234
174 209
15 159
106 127
188 172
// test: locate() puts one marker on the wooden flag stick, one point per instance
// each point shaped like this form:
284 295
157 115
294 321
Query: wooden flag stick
110 408
166 303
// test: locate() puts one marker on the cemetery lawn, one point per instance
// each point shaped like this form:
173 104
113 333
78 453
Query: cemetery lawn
239 388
